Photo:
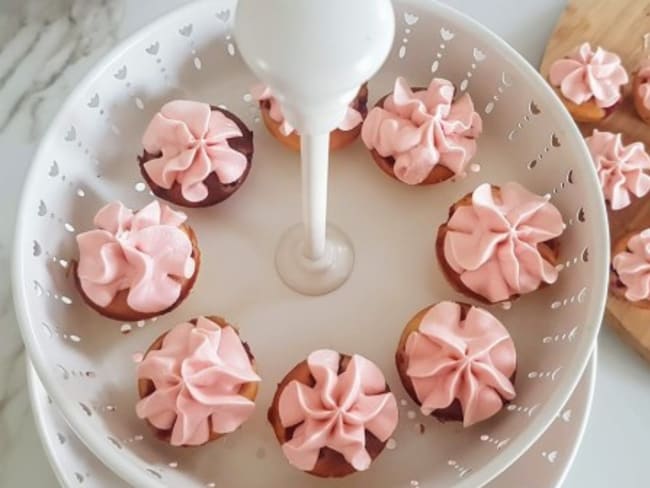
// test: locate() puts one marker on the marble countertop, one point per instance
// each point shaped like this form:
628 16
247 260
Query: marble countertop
46 46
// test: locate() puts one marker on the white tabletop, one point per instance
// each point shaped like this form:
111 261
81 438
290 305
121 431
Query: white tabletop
37 70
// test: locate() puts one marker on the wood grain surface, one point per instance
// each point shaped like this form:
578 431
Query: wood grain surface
621 26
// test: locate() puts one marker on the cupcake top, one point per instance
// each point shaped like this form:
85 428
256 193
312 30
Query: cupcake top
144 252
470 359
644 85
197 374
584 75
190 142
633 267
337 410
622 170
492 243
422 129
262 93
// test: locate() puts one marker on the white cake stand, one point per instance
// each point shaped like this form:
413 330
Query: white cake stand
547 461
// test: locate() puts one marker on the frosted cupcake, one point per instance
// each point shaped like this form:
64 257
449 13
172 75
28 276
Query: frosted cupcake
422 136
641 90
333 414
589 83
137 265
630 275
195 155
500 243
346 132
457 362
197 383
623 171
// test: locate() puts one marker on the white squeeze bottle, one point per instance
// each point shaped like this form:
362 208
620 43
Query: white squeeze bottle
314 55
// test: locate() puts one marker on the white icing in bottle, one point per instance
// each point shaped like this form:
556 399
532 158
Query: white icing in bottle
314 55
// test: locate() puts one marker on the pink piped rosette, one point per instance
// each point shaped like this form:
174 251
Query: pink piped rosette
337 411
492 244
623 171
145 253
586 75
420 130
469 360
197 377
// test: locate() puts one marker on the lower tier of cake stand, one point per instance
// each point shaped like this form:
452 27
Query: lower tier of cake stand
547 461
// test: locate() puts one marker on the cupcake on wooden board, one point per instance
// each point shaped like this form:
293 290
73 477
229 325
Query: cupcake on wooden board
422 136
500 243
623 171
195 155
273 117
457 362
641 90
590 83
137 265
630 275
333 414
197 382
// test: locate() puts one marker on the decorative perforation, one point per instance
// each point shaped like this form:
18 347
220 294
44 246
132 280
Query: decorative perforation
513 407
459 468
95 104
446 36
503 85
185 35
122 76
410 20
478 57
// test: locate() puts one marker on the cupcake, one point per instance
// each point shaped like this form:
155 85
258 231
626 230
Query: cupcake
623 171
422 136
641 90
197 383
333 414
195 155
347 131
137 265
457 363
500 243
630 275
590 83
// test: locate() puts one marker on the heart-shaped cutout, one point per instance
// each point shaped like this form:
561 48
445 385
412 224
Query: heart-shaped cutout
534 109
121 73
410 19
42 209
479 55
71 134
186 30
223 15
555 141
153 49
446 34
54 169
94 101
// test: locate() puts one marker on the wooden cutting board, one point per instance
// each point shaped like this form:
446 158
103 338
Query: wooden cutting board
621 26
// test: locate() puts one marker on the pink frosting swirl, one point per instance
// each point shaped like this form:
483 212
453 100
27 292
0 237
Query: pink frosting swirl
145 252
633 267
471 360
337 411
192 141
492 243
644 87
586 74
422 129
197 374
622 170
262 93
